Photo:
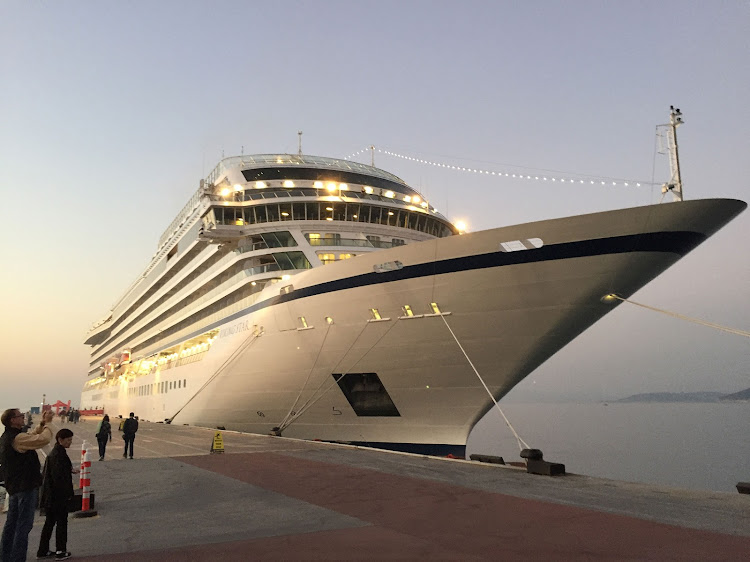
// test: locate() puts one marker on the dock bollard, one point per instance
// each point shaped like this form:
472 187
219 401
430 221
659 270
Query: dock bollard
86 510
535 464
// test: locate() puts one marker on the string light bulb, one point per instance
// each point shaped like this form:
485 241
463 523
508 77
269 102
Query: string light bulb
571 180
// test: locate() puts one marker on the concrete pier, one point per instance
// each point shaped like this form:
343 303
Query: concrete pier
270 498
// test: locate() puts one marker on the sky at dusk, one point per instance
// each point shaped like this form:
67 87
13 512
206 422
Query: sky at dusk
112 112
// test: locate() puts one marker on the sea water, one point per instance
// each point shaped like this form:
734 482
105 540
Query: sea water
704 446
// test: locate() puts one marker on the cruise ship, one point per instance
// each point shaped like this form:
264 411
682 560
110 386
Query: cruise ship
322 298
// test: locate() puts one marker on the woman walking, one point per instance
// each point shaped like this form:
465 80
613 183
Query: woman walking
103 434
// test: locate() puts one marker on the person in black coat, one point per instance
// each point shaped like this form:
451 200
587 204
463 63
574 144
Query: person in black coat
129 428
103 435
57 491
19 465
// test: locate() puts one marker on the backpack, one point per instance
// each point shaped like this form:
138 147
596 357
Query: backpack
130 426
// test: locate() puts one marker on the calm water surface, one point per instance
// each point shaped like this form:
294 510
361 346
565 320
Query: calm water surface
697 446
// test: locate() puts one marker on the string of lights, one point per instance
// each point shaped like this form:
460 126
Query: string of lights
535 176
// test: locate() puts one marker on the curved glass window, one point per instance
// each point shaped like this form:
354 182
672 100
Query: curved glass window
315 174
333 211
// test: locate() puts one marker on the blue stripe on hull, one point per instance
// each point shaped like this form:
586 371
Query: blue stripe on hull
431 449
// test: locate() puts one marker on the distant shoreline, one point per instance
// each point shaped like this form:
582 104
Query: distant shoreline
686 397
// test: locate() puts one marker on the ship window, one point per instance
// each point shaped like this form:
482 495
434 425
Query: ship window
397 242
407 310
298 211
327 258
282 238
292 260
260 214
352 212
366 394
339 212
313 211
346 256
413 217
375 314
273 212
184 383
286 211
403 219
435 308
172 252
302 322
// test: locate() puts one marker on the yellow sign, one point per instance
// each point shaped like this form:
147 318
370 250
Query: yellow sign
217 445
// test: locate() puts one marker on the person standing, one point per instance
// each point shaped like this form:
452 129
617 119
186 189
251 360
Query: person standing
22 479
57 491
103 434
129 429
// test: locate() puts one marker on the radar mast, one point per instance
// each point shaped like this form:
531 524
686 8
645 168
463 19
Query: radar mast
675 183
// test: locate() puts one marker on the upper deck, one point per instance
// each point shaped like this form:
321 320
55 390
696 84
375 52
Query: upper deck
246 195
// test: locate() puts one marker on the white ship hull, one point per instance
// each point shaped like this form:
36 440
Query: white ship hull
510 311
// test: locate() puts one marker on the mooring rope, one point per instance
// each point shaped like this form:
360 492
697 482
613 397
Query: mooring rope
252 338
521 443
686 318
310 402
309 373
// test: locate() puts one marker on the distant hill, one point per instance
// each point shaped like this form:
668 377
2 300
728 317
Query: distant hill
676 397
741 395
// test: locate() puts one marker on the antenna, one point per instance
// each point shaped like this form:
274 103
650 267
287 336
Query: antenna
675 182
299 151
372 149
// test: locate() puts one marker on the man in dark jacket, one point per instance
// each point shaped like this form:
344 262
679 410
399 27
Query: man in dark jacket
20 466
129 429
57 490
